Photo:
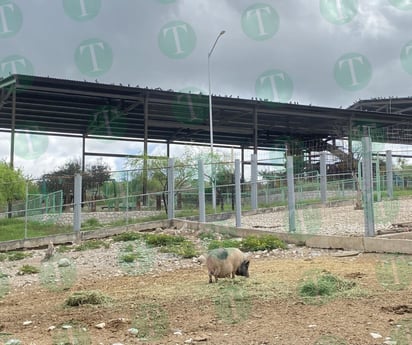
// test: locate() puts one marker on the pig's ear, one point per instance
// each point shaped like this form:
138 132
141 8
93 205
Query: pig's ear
247 262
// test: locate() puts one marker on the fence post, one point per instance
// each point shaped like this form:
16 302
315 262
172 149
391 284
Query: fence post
238 194
26 215
367 186
323 178
201 184
291 193
389 174
254 189
378 179
170 189
77 207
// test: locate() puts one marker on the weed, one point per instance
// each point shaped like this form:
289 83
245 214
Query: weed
92 244
63 249
15 256
160 240
325 285
28 269
127 236
185 249
91 223
86 297
265 242
128 258
224 244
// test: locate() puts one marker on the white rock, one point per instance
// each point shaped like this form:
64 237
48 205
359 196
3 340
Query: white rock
64 262
390 342
189 341
133 331
51 328
67 326
375 335
100 325
26 323
13 342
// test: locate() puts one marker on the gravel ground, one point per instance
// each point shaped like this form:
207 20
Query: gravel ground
336 220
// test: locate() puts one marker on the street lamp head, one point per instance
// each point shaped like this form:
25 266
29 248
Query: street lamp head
222 32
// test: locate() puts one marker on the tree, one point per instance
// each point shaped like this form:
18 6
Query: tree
12 186
63 179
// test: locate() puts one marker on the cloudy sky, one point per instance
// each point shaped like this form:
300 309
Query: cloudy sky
320 52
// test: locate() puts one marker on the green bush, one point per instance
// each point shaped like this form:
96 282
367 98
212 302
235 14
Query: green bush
127 236
160 240
28 269
265 242
224 244
128 258
91 223
92 244
86 297
15 256
184 249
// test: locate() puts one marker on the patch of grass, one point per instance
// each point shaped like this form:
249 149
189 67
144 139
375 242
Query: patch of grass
63 249
184 249
265 242
86 297
13 229
160 240
207 235
128 258
28 269
3 257
325 284
250 243
92 244
91 223
127 236
224 244
16 256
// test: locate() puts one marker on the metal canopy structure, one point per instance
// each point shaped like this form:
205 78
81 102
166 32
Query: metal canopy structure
93 110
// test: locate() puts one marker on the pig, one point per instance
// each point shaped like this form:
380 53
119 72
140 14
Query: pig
226 262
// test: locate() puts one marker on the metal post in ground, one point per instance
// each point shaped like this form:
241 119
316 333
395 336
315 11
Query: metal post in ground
77 207
238 195
291 193
323 178
254 189
368 186
170 189
389 174
201 186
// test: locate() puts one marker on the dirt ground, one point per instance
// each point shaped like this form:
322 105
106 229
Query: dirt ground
179 306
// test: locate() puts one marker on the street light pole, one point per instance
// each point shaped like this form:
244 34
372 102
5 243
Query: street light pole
211 122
